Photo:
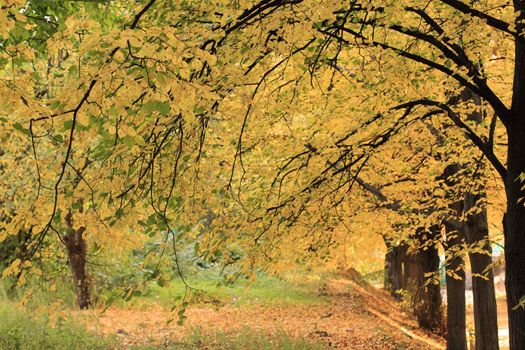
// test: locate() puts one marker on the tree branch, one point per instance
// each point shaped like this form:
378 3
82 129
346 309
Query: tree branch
483 146
491 21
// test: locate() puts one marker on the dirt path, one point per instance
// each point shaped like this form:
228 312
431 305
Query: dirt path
355 317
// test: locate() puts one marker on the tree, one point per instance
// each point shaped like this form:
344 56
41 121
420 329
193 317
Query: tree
168 84
454 53
511 118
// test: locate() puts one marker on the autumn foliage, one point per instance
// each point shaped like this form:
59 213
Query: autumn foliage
268 134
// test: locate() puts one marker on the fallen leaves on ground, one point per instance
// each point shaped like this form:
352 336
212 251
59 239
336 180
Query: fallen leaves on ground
355 317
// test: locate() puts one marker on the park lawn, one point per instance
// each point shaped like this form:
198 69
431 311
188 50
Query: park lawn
264 291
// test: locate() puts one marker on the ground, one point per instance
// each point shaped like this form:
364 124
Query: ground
347 315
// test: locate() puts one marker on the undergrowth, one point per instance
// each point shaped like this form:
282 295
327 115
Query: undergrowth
22 330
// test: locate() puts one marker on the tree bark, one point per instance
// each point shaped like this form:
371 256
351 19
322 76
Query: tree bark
515 234
456 306
393 268
390 257
428 304
401 251
485 307
454 262
427 295
411 271
77 254
515 216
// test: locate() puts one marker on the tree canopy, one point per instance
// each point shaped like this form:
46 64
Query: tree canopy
290 130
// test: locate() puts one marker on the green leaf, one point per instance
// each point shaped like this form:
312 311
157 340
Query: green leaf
20 128
73 72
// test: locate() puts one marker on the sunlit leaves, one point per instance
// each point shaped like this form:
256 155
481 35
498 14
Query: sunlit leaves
246 133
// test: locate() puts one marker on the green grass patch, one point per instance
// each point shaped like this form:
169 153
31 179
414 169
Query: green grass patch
22 330
265 290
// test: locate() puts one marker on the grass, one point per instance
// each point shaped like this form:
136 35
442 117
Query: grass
22 330
245 339
265 291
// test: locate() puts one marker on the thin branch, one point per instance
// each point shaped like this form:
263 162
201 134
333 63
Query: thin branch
141 13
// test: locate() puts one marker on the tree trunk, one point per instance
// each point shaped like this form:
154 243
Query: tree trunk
401 251
477 233
455 278
515 216
77 253
427 295
390 260
515 234
454 261
428 303
393 268
412 271
485 307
